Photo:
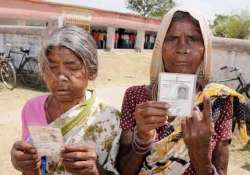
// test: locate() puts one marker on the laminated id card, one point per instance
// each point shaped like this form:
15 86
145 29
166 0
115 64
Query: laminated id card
47 140
178 90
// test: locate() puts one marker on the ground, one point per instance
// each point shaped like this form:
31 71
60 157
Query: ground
117 71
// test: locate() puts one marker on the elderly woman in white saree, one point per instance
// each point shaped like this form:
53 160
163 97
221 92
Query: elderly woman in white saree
153 142
90 128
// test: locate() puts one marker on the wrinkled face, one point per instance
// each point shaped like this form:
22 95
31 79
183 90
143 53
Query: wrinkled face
65 75
183 47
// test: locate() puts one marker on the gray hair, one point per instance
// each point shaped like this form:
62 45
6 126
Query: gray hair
79 41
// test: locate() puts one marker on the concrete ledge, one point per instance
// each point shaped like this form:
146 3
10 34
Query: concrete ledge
22 30
126 50
230 44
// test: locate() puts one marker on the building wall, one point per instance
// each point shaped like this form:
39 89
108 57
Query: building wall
24 9
119 20
41 10
16 41
38 12
230 52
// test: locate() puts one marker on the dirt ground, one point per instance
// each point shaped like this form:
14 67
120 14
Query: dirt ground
117 71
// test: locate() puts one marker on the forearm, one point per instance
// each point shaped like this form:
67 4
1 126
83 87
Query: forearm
202 166
221 157
31 172
102 171
130 163
35 172
219 163
206 170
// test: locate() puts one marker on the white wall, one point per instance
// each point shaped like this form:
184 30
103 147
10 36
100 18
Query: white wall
230 52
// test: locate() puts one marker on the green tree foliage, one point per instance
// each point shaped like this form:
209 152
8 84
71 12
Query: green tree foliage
234 26
152 8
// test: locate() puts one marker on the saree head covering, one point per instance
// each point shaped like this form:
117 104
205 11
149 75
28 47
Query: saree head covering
169 156
157 65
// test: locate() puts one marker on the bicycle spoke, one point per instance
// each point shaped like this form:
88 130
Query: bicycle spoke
8 75
30 74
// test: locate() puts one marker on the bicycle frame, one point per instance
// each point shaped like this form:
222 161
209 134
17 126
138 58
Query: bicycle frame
19 67
238 78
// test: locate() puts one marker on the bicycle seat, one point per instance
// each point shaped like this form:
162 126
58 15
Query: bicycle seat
30 58
235 69
27 51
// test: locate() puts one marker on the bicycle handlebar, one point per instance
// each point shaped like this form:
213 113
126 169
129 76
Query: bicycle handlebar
232 69
24 50
18 50
235 69
224 67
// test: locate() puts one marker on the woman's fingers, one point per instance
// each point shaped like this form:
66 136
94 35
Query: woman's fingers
207 115
74 153
149 116
184 129
149 111
189 127
78 164
198 127
22 156
207 111
78 148
79 156
150 123
155 119
196 116
150 127
29 164
22 146
154 104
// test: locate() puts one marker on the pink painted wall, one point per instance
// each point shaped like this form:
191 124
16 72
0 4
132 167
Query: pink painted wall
41 10
23 9
101 17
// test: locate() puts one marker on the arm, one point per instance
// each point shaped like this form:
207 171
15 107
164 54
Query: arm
127 156
24 158
36 172
146 116
223 133
197 132
134 145
80 159
221 156
197 139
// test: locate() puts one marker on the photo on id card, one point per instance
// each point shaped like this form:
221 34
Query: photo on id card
178 90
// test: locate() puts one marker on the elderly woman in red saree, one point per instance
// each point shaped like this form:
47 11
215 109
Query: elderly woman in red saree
153 142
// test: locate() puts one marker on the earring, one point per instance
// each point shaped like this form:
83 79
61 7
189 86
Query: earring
200 72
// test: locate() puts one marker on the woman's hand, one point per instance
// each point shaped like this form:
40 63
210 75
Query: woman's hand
80 159
149 116
197 132
24 157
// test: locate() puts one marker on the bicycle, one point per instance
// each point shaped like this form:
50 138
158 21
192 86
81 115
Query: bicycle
242 87
7 72
27 69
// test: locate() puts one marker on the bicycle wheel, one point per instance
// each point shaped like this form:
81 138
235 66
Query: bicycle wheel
8 74
30 73
247 90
